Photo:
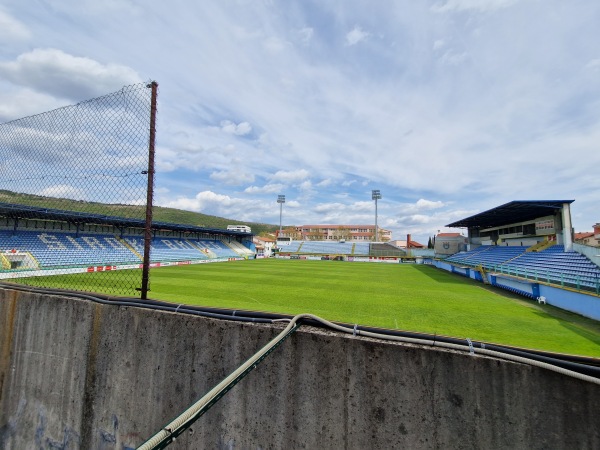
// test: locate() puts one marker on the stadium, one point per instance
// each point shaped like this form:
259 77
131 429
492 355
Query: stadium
118 330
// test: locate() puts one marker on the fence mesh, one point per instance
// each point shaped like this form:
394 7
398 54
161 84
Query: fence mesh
74 187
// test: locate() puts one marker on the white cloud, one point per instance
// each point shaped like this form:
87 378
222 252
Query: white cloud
222 205
305 186
439 43
290 176
324 183
418 219
593 64
64 191
355 207
240 129
274 45
266 189
305 34
453 58
454 108
11 29
356 35
202 200
472 5
60 74
423 204
15 104
233 177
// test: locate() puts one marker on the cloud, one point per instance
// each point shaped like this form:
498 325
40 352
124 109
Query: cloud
593 65
266 189
355 207
233 177
453 58
11 29
439 44
305 35
356 35
305 186
241 209
275 45
240 129
202 200
64 191
472 5
428 204
15 104
324 183
56 73
468 103
290 176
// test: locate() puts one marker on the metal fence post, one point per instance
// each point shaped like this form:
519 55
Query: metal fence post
149 194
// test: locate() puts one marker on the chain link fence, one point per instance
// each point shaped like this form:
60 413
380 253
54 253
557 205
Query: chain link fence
76 194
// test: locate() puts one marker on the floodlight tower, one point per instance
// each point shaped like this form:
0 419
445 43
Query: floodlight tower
281 201
376 195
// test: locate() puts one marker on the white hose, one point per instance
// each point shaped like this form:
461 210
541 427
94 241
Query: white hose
213 393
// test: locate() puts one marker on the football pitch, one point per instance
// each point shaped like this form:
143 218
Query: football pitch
406 297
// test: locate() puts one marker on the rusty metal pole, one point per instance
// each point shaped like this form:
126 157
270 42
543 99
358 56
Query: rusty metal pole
149 193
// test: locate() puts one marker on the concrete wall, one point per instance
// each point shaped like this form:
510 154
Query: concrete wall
592 253
586 305
79 375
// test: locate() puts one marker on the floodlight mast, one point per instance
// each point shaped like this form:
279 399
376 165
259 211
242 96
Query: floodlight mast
281 201
376 195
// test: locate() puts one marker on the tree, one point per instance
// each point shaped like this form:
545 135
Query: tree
429 243
344 233
293 233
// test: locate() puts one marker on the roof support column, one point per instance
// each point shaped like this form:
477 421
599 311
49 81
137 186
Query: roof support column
567 237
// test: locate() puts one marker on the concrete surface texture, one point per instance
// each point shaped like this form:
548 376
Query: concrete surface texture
75 374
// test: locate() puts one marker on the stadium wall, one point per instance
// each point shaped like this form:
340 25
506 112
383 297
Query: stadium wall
577 302
586 305
592 253
78 374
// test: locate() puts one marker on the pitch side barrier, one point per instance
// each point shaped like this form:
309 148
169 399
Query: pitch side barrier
6 275
371 259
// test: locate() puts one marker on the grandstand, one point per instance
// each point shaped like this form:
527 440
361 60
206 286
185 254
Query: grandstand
527 247
38 239
306 248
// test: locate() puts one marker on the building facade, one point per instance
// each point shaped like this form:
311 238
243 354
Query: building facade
450 243
264 246
348 233
588 238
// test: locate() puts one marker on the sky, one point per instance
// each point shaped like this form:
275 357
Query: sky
448 107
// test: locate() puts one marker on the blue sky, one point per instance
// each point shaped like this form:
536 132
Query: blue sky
448 107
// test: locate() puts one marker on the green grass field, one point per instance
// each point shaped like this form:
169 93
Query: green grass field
406 297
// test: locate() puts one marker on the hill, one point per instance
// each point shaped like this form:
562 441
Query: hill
160 213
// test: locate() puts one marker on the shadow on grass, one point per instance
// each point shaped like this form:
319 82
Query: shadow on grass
440 275
588 329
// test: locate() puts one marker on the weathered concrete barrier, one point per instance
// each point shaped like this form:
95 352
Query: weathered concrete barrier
79 375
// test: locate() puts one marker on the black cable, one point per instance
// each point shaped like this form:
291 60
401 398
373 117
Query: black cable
580 364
